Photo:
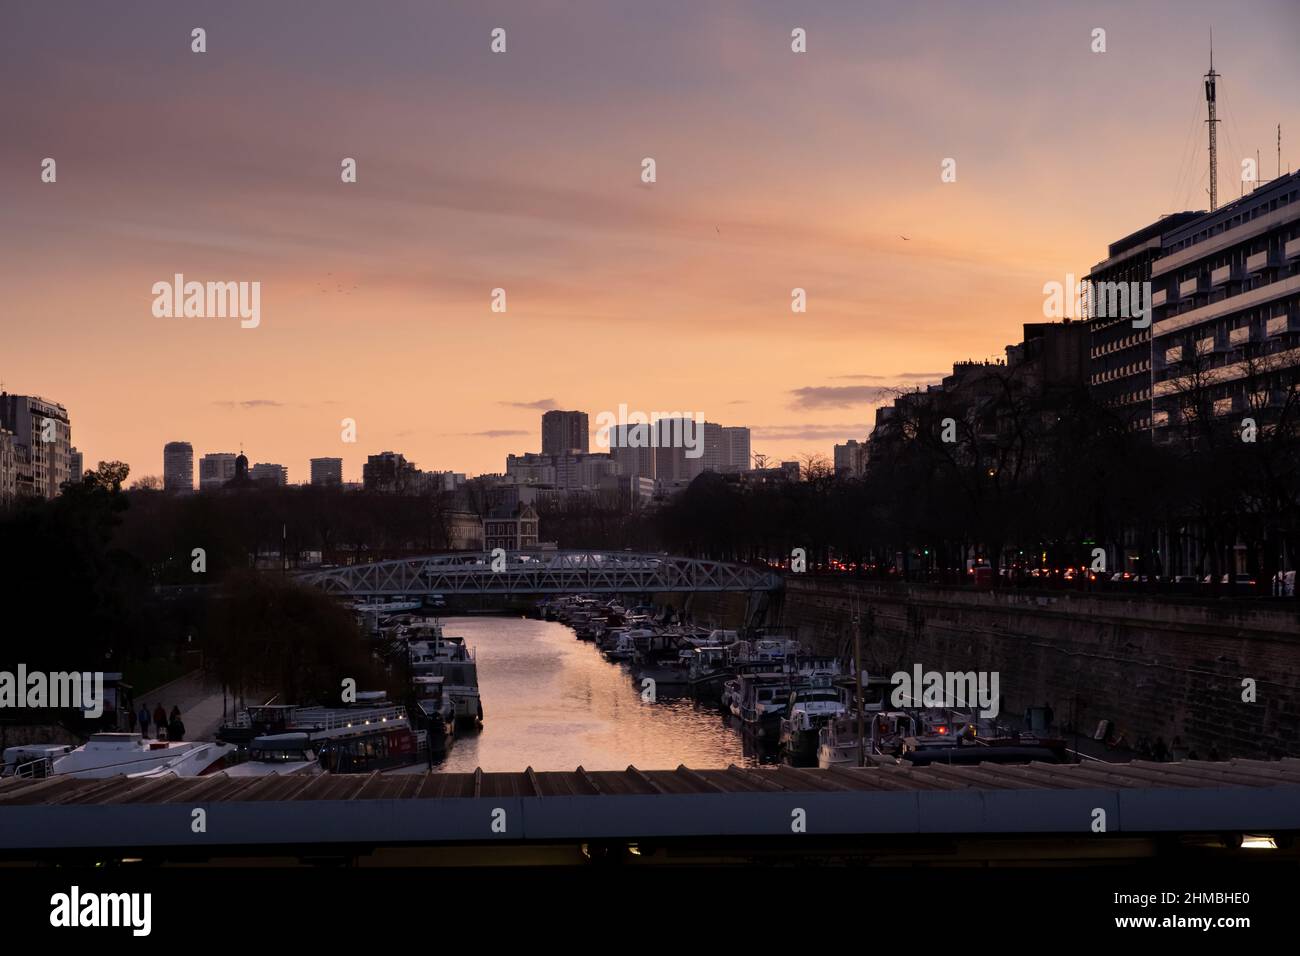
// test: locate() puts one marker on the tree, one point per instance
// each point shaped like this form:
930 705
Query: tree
267 634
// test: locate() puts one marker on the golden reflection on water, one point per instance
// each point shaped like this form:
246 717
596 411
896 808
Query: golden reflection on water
552 702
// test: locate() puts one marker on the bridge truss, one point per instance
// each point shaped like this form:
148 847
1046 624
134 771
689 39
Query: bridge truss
541 572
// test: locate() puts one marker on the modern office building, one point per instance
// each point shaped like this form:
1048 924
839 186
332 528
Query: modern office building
679 449
215 469
737 456
565 433
716 450
1226 332
178 467
327 471
1117 288
631 450
269 474
43 428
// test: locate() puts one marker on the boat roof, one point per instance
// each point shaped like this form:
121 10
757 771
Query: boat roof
270 741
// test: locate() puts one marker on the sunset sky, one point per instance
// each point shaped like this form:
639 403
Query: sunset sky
523 171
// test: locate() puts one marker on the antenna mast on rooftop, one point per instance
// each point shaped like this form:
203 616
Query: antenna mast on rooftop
1213 123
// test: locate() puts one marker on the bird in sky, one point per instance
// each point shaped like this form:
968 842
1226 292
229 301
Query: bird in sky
905 238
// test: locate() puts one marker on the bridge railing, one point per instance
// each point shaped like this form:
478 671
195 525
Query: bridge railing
543 573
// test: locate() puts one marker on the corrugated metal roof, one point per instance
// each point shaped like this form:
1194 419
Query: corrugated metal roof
218 787
1249 796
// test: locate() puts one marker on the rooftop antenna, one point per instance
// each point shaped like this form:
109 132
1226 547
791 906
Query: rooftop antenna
1213 123
1279 150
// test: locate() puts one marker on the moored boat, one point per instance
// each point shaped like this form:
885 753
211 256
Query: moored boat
111 754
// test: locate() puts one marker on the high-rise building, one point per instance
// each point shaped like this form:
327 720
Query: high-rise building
76 466
715 450
565 433
1225 337
43 427
215 469
327 471
849 458
269 474
1119 373
178 467
632 451
679 450
736 439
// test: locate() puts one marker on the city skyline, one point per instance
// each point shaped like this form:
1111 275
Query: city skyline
818 171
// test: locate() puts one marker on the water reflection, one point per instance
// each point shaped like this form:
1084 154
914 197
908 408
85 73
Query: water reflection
552 702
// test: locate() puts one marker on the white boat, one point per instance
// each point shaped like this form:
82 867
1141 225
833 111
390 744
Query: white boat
837 742
112 754
809 709
889 734
277 755
385 607
433 654
436 709
623 649
359 738
764 702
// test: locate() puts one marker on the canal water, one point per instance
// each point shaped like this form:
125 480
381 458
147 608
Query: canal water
551 702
